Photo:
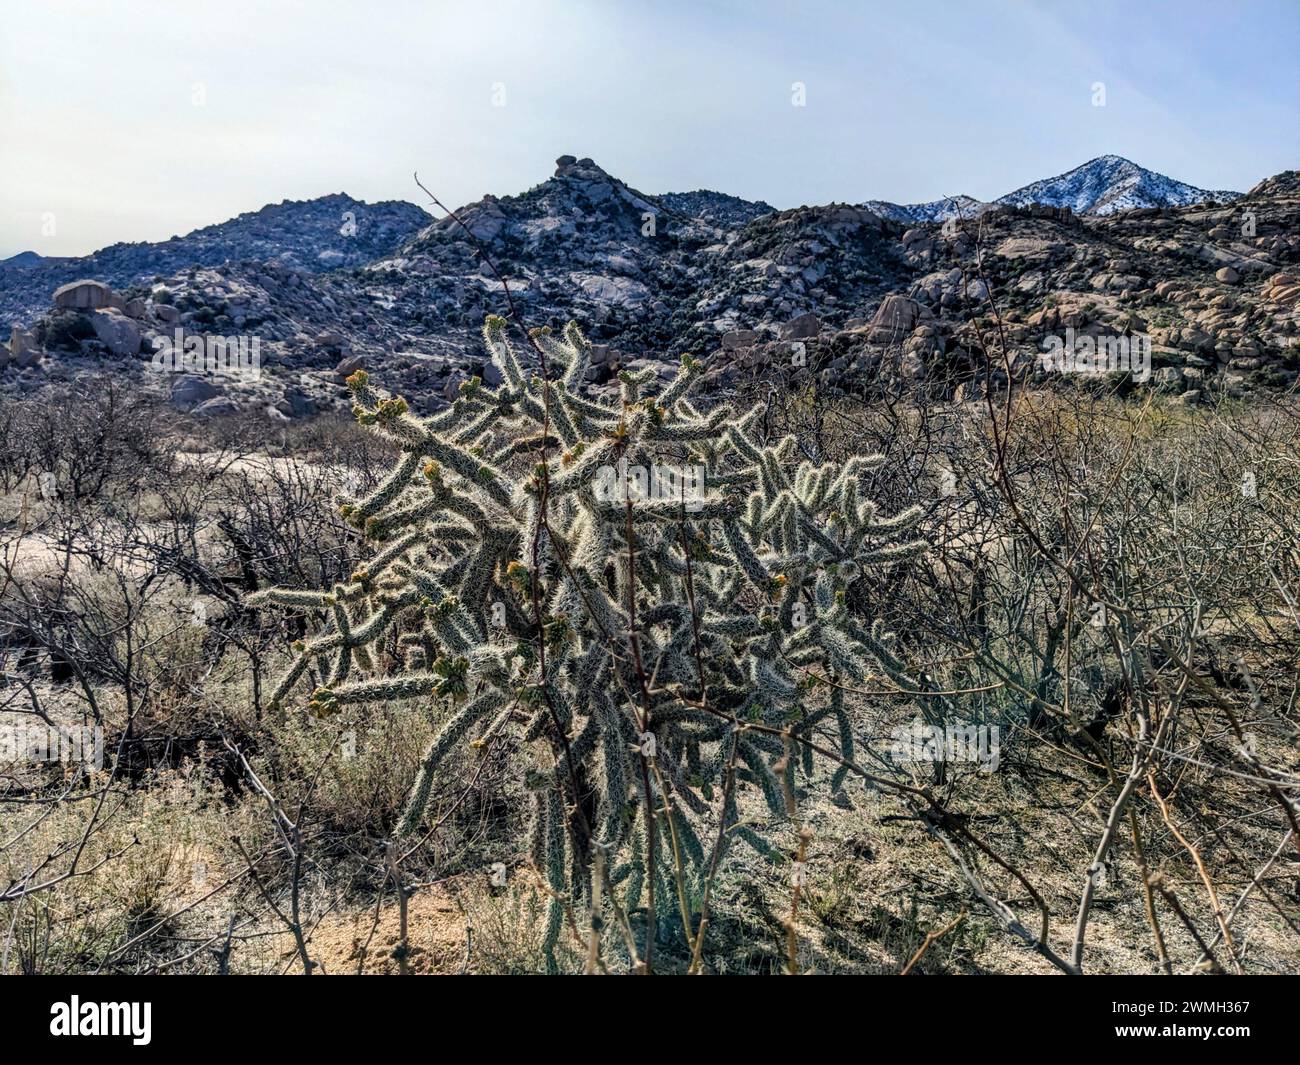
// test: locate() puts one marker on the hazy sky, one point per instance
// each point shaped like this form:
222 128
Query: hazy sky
138 120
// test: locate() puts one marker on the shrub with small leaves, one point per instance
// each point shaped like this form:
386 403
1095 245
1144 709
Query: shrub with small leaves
641 649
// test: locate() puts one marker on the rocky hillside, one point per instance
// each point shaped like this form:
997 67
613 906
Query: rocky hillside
716 209
310 236
854 298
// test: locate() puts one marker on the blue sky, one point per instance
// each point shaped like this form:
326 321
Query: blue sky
138 120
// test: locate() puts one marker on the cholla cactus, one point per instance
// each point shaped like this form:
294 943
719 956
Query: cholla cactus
641 574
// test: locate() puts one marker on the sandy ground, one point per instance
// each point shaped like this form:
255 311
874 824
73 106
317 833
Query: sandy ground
437 930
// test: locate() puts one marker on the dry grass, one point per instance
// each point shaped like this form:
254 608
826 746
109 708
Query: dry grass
168 836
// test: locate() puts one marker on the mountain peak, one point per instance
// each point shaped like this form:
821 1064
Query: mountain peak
23 258
1109 184
586 177
569 166
1101 186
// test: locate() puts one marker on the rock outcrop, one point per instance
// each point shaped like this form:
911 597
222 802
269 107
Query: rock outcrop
836 293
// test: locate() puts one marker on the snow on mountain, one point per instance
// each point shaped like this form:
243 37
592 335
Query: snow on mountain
934 211
1109 184
1101 186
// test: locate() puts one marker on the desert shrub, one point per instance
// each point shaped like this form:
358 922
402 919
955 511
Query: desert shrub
545 575
63 332
370 762
158 847
91 434
510 926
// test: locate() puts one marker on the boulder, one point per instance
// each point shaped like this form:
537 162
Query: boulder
895 319
1227 275
116 332
23 349
1046 317
216 408
1282 288
84 295
485 220
165 312
912 366
188 391
613 290
1032 248
738 339
802 327
347 367
296 403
